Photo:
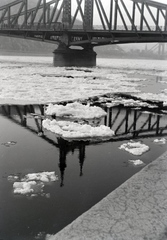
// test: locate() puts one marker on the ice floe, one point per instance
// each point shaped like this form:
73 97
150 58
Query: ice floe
39 82
135 148
43 177
137 162
27 187
8 144
115 101
32 184
13 178
75 110
160 141
155 97
72 130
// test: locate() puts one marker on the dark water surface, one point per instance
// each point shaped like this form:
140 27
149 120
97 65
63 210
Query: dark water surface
87 171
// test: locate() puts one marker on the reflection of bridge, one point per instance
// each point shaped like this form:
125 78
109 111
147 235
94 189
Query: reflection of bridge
30 117
71 24
159 49
128 123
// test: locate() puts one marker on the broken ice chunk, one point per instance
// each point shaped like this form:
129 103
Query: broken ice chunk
72 130
75 110
137 162
135 148
43 177
160 141
8 144
32 184
27 187
12 178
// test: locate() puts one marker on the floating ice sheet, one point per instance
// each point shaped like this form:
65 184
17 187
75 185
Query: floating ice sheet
160 141
125 102
13 178
32 184
137 162
31 187
135 148
39 82
8 144
72 130
155 97
75 110
43 177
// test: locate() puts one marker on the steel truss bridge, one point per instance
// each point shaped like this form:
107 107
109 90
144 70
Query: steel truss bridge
86 22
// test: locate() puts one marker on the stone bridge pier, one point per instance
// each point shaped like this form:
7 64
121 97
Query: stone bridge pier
66 56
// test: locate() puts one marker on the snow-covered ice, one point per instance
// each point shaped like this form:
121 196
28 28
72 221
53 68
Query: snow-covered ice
35 80
73 130
115 101
32 184
75 110
154 97
27 187
8 144
137 162
76 130
43 177
135 148
160 141
12 178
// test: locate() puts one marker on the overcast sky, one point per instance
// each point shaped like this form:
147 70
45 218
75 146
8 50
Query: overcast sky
128 3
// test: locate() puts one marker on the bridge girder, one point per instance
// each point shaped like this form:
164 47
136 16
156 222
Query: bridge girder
55 21
88 14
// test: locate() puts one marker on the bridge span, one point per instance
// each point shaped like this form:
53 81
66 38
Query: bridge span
85 24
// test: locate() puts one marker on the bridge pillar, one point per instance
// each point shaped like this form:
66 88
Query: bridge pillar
66 18
88 14
161 50
64 56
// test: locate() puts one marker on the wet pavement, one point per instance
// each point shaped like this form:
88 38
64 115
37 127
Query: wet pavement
134 211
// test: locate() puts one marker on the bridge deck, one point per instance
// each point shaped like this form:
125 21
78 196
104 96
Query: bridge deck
61 21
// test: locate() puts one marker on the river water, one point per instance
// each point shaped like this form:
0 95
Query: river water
35 80
86 171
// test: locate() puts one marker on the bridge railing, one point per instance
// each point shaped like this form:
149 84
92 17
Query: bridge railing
37 26
59 27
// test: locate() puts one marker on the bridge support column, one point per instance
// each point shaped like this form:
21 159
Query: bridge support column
67 57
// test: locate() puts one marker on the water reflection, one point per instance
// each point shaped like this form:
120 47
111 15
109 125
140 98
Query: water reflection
87 171
64 149
127 122
136 122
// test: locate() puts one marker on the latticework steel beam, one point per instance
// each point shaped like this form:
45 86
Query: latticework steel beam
97 24
66 20
88 14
